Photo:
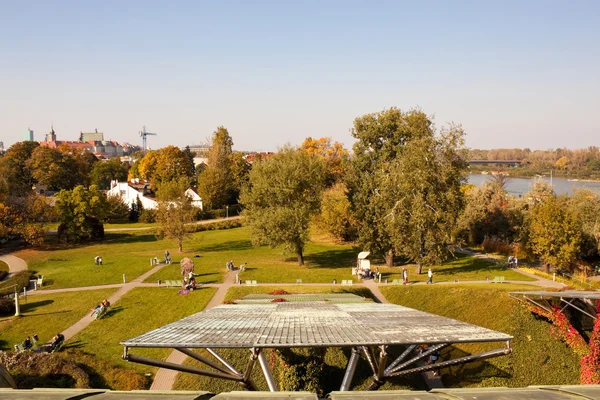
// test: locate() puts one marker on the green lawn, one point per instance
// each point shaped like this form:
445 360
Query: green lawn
123 253
46 315
538 358
137 312
461 268
3 266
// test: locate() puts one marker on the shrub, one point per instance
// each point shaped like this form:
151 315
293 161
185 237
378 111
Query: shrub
147 216
279 300
228 224
7 306
3 274
278 292
32 370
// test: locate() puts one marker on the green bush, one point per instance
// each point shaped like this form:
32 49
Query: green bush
147 216
227 224
20 279
7 306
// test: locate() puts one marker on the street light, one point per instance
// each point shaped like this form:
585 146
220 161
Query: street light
226 211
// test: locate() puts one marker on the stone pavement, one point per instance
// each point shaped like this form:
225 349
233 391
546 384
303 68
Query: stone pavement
15 264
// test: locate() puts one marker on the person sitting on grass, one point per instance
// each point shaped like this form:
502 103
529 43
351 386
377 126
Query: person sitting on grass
27 343
57 341
100 308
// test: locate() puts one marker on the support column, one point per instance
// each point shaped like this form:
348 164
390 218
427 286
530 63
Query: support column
264 365
350 369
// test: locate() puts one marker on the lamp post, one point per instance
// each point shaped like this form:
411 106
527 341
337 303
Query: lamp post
17 306
227 211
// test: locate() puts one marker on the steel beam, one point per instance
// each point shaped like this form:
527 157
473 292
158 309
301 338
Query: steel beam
401 357
264 365
204 360
179 367
424 354
570 303
369 358
462 360
223 361
378 377
350 369
247 382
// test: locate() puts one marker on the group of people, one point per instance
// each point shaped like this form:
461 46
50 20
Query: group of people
98 260
52 346
231 267
168 259
100 308
512 262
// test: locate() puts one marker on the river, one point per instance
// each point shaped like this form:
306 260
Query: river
520 186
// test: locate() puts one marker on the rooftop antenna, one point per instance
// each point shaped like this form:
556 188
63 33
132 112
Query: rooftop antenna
143 134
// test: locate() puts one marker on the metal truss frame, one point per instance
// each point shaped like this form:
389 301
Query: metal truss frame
376 356
546 305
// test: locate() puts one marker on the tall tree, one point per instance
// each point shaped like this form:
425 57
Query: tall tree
240 172
147 165
380 138
554 234
171 163
424 188
106 171
336 215
81 212
16 177
215 181
175 211
283 194
53 168
334 154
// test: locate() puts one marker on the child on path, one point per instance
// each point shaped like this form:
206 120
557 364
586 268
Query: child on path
430 276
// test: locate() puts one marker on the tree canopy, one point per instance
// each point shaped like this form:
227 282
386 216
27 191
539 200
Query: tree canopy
283 194
175 211
215 182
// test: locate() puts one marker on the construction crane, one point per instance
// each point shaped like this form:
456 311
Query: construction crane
143 134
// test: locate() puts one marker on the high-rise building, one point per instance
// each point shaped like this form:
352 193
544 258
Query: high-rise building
28 135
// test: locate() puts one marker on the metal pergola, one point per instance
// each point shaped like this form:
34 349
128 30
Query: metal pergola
369 329
578 300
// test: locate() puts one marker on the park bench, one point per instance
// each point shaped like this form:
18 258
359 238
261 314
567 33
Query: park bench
347 282
251 283
498 279
298 280
40 280
19 348
173 283
396 281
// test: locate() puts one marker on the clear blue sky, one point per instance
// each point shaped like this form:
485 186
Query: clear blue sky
514 73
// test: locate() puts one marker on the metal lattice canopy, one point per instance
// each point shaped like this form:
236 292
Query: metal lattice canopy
579 300
366 327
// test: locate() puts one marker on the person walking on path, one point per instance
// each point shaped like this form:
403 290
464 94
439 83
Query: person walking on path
404 276
429 276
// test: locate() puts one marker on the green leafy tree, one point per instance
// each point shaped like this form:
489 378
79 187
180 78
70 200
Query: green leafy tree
106 171
171 164
53 168
215 182
175 211
81 212
336 214
584 205
82 162
380 142
424 189
554 234
116 210
283 195
240 172
16 177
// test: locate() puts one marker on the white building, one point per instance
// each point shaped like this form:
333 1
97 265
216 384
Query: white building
140 189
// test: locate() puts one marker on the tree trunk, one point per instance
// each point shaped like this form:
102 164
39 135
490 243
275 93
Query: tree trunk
180 245
419 269
300 256
547 268
389 258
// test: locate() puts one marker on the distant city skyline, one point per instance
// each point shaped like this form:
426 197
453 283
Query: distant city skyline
515 74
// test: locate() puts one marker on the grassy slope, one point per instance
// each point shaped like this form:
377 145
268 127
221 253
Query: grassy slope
335 358
537 358
139 311
46 315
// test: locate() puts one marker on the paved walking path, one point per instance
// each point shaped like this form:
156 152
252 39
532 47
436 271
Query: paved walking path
165 378
15 264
